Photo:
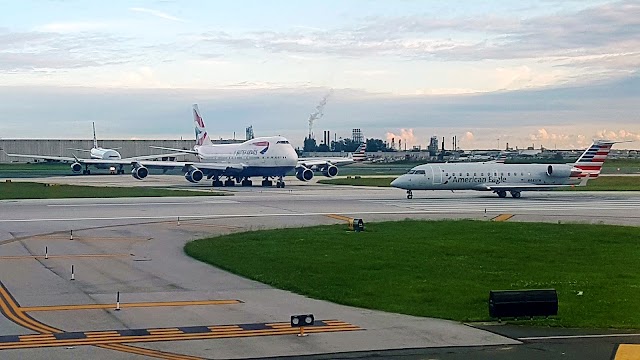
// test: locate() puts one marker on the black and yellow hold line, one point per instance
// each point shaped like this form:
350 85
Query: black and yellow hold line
168 334
11 310
48 336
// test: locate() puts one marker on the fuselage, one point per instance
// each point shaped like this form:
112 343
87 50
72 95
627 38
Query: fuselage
480 176
105 154
263 156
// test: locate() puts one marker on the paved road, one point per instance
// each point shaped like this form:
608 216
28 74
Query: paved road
137 245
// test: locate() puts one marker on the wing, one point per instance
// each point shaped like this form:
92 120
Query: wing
207 168
181 151
322 162
527 187
43 157
151 157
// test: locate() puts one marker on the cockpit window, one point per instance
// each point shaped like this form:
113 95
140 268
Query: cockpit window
421 172
282 142
411 172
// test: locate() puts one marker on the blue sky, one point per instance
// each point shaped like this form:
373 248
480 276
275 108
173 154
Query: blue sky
556 73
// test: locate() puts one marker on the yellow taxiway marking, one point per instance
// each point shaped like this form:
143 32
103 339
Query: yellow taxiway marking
502 217
128 305
628 352
23 257
339 217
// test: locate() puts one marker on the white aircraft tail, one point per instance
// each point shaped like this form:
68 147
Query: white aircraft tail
95 139
591 161
202 137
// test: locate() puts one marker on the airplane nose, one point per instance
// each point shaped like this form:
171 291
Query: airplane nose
397 182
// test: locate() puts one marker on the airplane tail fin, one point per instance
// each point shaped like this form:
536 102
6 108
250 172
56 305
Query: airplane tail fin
202 137
359 155
591 161
95 139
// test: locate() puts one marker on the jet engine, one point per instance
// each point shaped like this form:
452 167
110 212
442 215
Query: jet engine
139 172
330 171
194 175
304 173
76 167
559 171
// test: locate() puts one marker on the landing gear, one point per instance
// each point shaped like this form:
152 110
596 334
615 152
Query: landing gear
267 183
409 194
86 170
280 183
501 194
246 182
515 194
120 170
229 183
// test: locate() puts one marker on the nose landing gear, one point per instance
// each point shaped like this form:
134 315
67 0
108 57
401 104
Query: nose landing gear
409 194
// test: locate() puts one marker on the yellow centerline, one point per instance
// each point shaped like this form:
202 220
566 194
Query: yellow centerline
339 217
128 305
502 217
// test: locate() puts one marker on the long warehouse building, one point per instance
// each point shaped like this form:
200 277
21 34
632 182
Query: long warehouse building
57 147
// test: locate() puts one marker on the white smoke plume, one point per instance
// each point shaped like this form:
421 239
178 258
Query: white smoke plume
406 135
319 111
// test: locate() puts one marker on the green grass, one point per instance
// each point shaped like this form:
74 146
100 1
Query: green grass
603 183
445 269
28 190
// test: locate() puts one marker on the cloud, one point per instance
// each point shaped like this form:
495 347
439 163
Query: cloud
405 138
156 13
36 51
604 37
619 135
69 27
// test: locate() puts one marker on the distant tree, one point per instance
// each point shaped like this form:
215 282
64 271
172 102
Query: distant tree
375 145
558 156
310 145
323 148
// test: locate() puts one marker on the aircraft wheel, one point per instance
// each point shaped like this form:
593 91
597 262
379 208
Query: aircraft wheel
409 194
217 183
515 194
84 172
88 172
502 194
267 183
229 183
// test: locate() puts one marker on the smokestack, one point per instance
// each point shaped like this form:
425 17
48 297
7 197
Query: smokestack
443 143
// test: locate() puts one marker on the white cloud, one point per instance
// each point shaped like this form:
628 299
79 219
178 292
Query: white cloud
156 13
71 27
404 138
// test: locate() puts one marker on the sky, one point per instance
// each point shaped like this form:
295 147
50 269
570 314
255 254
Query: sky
548 72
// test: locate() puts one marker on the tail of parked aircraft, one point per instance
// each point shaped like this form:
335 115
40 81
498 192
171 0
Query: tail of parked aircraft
591 161
359 155
202 137
95 139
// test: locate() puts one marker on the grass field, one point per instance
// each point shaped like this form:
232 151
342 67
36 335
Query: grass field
603 183
446 269
27 190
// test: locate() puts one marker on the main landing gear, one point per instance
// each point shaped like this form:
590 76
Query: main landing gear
503 194
266 182
86 170
280 182
246 182
409 194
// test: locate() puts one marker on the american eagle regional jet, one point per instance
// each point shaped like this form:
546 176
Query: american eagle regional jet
266 157
503 178
101 158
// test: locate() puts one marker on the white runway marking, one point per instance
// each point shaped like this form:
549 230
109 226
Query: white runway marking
560 337
147 203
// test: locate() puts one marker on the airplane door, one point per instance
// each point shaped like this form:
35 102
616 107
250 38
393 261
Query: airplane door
437 175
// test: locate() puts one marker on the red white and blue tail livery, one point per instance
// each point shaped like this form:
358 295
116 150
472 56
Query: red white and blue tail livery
591 161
